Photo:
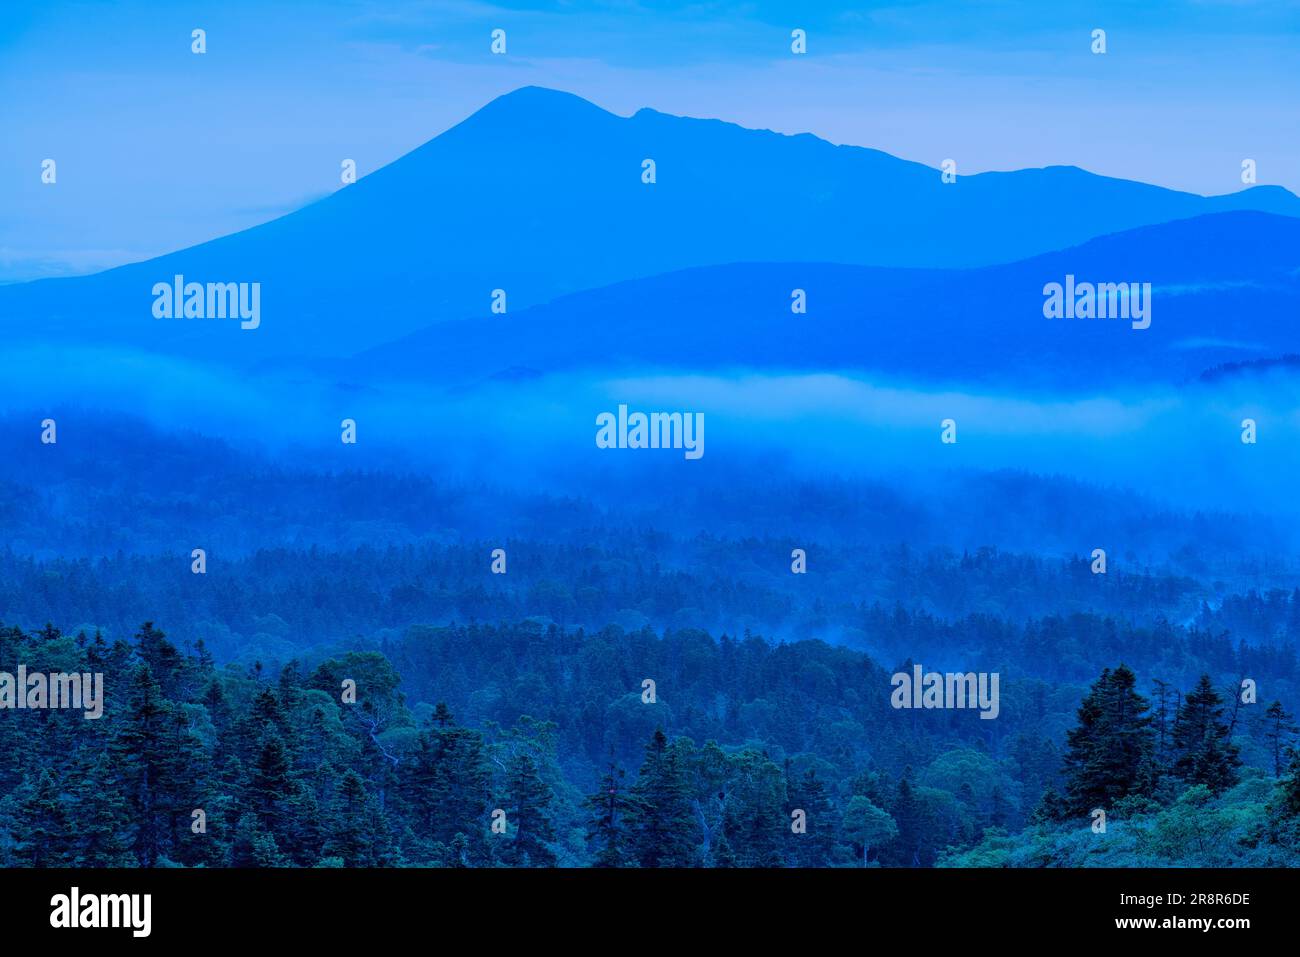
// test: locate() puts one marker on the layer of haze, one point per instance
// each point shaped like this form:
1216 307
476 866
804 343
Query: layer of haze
1179 448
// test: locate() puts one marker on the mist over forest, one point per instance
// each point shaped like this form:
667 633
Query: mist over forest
368 585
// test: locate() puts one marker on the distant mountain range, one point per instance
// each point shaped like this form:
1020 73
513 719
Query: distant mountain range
540 194
1225 288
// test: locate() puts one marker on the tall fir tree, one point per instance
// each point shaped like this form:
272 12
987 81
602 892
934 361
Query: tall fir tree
269 787
664 834
357 831
1202 741
1110 752
530 803
100 816
447 785
1279 731
613 814
754 819
139 753
43 836
815 847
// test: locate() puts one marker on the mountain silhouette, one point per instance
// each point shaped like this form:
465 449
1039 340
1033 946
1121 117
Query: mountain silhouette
540 194
1225 288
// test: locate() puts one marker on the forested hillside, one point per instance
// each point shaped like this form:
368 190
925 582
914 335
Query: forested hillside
741 753
526 692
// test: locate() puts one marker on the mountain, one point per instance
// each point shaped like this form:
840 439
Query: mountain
1225 288
540 193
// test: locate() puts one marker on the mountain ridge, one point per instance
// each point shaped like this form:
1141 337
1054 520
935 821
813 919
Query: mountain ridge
540 194
1217 280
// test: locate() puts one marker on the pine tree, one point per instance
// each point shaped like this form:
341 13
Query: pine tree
1206 755
664 831
909 816
612 812
183 774
1160 721
300 834
356 834
530 801
1280 730
254 846
816 846
754 819
447 784
43 832
1109 752
268 785
101 817
139 752
165 661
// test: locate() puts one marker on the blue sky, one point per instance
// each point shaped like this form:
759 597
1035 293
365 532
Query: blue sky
158 148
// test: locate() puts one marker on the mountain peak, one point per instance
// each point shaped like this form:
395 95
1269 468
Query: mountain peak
529 111
543 193
542 101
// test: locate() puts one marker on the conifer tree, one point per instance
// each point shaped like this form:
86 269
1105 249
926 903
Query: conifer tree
268 785
254 846
1109 753
754 819
613 813
1279 731
530 801
1162 721
139 753
816 846
447 784
43 832
664 834
1206 754
165 661
352 825
909 817
100 817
